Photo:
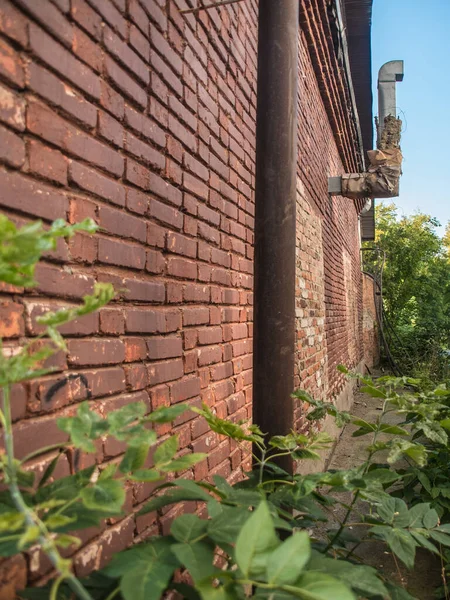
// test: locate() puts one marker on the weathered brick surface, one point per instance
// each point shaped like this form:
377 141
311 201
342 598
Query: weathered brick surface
144 120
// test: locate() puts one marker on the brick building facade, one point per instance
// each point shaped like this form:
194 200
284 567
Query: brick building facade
144 119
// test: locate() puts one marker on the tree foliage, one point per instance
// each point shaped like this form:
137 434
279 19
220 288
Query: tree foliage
416 288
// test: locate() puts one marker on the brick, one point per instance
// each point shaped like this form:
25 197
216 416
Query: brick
179 244
47 163
210 335
112 321
137 174
83 14
166 73
184 389
96 351
110 129
208 356
120 253
120 223
195 316
85 325
51 88
138 15
165 371
178 267
11 65
28 435
144 291
139 43
196 293
13 23
145 321
137 201
32 197
63 62
156 236
166 214
55 281
12 109
11 320
51 18
155 262
165 190
125 83
196 167
48 125
125 55
111 15
164 347
144 152
144 126
111 100
156 14
135 349
12 148
181 133
136 376
63 5
95 183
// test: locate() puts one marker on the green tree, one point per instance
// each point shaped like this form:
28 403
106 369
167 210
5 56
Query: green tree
416 288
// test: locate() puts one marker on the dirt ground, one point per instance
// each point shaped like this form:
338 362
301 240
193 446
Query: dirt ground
423 581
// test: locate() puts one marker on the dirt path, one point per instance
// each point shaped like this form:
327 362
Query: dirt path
423 581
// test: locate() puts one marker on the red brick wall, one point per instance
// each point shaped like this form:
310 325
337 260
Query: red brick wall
329 281
130 113
143 119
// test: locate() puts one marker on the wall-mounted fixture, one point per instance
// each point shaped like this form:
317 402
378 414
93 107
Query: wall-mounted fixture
383 175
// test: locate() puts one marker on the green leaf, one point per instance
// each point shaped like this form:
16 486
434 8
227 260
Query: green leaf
134 458
361 578
257 536
392 429
65 488
145 570
394 511
146 475
198 558
183 462
49 470
441 538
381 476
181 493
188 528
85 427
319 586
106 495
11 521
287 562
30 535
108 472
56 521
399 448
403 545
225 527
373 391
166 414
166 451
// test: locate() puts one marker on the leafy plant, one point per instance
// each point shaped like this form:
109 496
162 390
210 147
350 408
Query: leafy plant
260 537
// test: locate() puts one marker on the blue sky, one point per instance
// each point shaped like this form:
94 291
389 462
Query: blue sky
418 32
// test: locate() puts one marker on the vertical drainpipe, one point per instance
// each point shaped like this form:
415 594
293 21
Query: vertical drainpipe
275 228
